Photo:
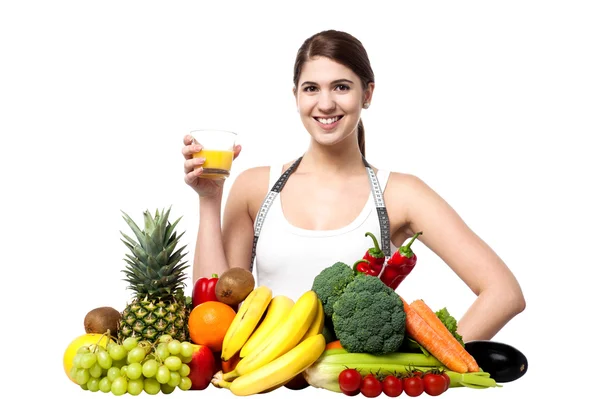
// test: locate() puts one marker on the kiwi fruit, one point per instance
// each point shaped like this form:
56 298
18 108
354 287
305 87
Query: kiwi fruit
98 320
234 285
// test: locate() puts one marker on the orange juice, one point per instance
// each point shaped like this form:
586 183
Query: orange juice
217 163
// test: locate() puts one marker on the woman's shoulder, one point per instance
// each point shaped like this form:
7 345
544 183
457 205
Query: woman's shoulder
404 179
406 183
253 178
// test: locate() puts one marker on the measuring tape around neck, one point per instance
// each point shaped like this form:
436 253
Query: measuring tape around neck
384 221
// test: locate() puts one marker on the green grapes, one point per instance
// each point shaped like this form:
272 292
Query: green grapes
173 363
134 366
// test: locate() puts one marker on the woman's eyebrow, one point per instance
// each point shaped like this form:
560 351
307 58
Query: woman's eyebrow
335 82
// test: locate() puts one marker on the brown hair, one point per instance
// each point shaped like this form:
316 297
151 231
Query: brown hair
344 49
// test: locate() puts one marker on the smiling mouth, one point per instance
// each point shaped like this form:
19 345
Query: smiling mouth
329 121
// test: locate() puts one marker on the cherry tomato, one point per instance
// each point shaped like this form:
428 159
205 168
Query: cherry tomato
392 386
351 393
413 386
370 386
434 384
349 380
447 378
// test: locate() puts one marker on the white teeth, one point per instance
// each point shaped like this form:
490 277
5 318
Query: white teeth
328 121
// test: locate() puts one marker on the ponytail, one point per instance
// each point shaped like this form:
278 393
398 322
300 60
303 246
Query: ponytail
361 137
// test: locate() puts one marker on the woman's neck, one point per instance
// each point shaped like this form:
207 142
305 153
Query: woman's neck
329 160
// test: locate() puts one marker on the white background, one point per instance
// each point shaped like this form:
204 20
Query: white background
493 104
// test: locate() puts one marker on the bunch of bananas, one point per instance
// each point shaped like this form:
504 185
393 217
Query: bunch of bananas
276 340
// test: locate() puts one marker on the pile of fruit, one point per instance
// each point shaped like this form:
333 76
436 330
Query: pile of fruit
229 332
350 333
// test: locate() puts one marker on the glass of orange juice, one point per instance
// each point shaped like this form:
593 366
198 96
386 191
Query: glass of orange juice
217 150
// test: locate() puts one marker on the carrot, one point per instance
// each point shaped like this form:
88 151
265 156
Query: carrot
334 345
418 329
434 322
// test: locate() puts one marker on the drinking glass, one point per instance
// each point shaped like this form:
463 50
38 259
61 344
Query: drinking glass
217 150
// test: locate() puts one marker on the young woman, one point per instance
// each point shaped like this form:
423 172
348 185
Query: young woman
293 220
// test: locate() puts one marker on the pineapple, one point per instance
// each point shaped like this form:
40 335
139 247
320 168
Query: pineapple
155 272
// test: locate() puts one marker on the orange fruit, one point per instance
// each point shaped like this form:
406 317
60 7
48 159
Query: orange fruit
208 324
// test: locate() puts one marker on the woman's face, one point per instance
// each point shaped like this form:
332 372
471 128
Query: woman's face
330 98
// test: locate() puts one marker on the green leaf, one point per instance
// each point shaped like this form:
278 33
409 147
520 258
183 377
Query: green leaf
148 222
171 227
450 323
163 222
130 241
134 227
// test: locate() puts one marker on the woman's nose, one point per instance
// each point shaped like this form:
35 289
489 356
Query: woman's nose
326 102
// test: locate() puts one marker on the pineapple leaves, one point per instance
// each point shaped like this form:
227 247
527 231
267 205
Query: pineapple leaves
177 255
162 257
163 226
171 228
154 268
130 241
138 233
149 221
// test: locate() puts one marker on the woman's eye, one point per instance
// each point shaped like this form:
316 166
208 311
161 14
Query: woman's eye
342 87
310 89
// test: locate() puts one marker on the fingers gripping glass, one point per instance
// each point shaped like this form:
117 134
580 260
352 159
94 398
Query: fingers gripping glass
217 151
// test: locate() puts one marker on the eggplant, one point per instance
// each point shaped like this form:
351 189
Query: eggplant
504 362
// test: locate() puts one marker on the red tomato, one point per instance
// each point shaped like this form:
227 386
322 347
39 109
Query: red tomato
434 384
349 380
351 393
392 386
370 386
447 378
413 386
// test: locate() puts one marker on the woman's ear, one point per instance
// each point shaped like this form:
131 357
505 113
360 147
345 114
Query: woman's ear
369 93
296 97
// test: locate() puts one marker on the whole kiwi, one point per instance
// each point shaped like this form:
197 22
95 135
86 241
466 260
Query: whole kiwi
98 320
234 285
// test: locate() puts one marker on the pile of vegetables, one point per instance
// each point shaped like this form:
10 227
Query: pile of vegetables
378 342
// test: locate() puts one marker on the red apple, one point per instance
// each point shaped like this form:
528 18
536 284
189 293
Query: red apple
202 367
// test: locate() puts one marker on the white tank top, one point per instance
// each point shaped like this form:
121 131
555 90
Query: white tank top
288 257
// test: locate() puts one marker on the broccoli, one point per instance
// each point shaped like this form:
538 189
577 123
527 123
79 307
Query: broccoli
329 284
369 317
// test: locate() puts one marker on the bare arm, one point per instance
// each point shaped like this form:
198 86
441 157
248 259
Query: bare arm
209 256
219 247
238 226
499 296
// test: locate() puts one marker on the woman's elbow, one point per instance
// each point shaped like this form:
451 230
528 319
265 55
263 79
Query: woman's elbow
516 302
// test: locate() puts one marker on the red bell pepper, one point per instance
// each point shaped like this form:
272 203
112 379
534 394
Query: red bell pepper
363 266
400 264
375 255
204 290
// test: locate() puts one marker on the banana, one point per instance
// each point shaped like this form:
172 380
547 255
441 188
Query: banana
280 370
317 325
245 321
279 307
281 339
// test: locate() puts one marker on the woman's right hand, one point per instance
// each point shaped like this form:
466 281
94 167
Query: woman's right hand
193 169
